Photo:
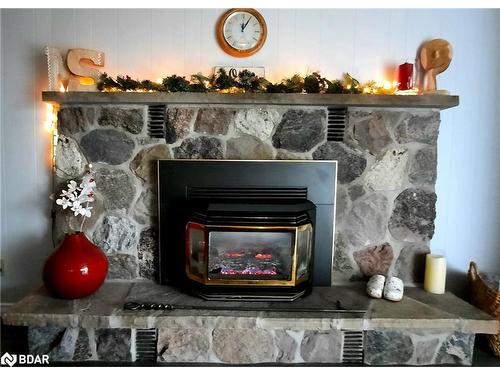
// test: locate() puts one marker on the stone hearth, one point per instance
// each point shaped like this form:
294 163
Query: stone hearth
387 172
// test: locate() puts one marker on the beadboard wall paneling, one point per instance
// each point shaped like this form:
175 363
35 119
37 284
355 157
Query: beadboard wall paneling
155 43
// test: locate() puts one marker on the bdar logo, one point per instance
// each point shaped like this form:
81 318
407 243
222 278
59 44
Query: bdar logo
8 359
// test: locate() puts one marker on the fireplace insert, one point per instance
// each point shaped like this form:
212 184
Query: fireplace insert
251 230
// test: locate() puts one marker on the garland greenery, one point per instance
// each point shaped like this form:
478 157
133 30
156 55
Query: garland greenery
246 81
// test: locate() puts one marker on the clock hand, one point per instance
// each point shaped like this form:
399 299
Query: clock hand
242 23
249 18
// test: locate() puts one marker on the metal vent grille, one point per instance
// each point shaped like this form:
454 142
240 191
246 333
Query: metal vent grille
247 193
352 348
156 120
145 345
337 120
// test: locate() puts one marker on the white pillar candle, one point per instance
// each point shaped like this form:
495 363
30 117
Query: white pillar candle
435 273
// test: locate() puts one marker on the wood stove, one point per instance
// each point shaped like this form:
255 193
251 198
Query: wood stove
248 230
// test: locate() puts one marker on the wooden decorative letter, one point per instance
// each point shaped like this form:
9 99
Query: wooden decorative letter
435 57
82 63
58 74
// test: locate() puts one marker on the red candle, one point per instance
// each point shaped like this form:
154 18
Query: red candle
405 76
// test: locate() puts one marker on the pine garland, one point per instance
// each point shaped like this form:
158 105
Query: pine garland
246 81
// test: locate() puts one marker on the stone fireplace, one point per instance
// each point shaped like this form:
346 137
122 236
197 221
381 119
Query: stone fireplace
386 173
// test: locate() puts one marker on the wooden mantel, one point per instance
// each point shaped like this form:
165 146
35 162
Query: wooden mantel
331 100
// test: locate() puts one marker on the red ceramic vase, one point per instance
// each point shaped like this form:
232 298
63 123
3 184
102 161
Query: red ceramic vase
76 269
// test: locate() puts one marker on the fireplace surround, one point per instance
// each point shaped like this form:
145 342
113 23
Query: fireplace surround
246 229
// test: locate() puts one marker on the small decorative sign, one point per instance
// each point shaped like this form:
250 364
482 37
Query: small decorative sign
78 73
233 71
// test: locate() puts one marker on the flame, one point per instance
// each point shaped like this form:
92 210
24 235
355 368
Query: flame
61 88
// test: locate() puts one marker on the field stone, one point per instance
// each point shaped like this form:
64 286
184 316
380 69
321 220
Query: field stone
116 234
183 345
341 260
351 163
248 147
241 346
177 124
145 209
199 148
285 155
65 350
70 163
423 168
413 216
259 122
356 191
425 351
113 344
213 121
322 346
410 265
456 349
41 340
130 119
300 131
366 222
372 134
82 351
116 187
423 128
108 146
122 266
72 120
144 163
388 173
286 345
374 260
387 348
147 253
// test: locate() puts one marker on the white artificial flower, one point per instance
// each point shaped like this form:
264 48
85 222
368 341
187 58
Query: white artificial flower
72 186
65 203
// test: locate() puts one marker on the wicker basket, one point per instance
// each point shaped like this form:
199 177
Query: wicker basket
487 299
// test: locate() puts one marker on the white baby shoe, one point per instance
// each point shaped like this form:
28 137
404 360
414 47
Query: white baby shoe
375 286
393 290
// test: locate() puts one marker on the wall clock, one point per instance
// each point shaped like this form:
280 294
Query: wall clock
241 32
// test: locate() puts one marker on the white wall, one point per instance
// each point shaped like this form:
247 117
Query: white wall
155 43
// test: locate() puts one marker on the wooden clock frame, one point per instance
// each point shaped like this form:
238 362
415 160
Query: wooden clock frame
230 49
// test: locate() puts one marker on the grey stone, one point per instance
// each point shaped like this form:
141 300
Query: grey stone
41 340
145 141
259 122
130 119
285 155
145 209
413 216
388 173
351 163
248 147
107 146
423 168
242 345
387 348
72 120
116 187
116 234
425 351
178 123
147 253
372 134
183 345
199 148
214 121
342 202
322 346
410 266
456 349
144 164
113 344
299 130
341 260
286 345
122 266
64 351
374 260
356 191
82 351
70 163
366 222
422 128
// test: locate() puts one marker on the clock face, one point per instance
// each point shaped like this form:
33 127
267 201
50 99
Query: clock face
241 32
